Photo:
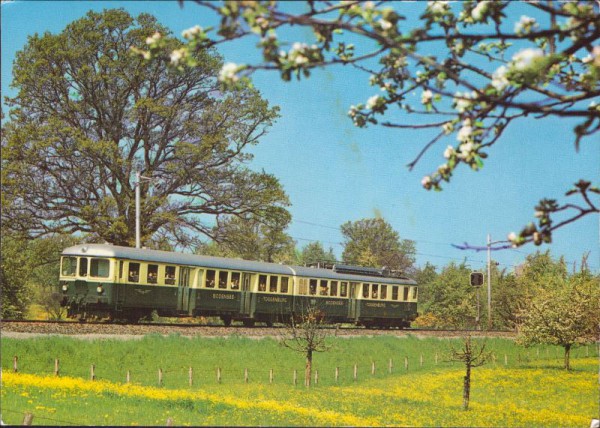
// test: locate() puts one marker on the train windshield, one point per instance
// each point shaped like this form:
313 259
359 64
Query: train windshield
69 266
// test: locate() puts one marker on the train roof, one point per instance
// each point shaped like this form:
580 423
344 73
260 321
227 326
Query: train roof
114 251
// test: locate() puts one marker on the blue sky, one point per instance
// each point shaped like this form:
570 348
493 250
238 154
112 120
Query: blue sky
335 172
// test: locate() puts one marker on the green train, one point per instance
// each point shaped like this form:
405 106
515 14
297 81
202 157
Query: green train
128 283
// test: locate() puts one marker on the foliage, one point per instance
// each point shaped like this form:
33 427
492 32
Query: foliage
87 115
565 312
315 253
475 72
373 242
253 239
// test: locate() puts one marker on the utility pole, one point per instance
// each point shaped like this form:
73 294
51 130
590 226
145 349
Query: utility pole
489 280
138 179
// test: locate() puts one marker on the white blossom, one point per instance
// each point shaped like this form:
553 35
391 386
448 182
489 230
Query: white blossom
353 111
464 134
438 7
153 39
384 24
300 59
449 152
228 73
525 57
448 127
369 5
463 101
426 97
512 236
479 11
499 80
372 102
190 33
177 55
426 181
525 25
465 150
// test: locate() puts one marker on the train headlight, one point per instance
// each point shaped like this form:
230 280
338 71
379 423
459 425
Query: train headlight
65 287
99 289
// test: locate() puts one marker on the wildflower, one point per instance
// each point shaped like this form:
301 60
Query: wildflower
525 57
479 11
190 33
499 80
525 25
373 101
153 39
449 152
228 73
426 97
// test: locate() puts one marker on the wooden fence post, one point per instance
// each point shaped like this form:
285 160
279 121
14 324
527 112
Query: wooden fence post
337 374
372 368
27 419
92 372
406 363
170 422
270 376
316 377
128 378
436 358
390 366
421 360
15 364
56 370
245 375
160 377
219 374
191 377
355 372
505 359
295 377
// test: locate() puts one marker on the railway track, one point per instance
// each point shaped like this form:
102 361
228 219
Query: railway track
72 328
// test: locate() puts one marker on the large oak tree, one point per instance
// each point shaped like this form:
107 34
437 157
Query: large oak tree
88 115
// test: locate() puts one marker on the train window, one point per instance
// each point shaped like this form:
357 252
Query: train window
405 293
334 289
170 275
366 291
121 269
324 289
152 274
273 283
303 286
383 291
284 284
414 293
375 292
69 266
134 272
344 289
262 282
100 268
235 281
210 278
223 279
313 287
83 266
394 292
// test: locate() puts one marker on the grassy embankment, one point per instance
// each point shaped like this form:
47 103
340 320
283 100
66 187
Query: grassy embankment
531 390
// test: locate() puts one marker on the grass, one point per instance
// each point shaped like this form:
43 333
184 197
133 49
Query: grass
529 391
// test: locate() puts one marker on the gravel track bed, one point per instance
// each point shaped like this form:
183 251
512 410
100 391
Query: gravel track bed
93 331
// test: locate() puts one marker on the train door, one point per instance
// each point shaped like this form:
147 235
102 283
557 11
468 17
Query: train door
246 294
352 303
183 289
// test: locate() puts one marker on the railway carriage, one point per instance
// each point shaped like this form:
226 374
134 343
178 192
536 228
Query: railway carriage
129 283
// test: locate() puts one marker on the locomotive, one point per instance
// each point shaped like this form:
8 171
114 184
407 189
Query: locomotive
129 283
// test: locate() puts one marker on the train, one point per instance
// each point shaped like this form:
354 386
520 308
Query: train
115 282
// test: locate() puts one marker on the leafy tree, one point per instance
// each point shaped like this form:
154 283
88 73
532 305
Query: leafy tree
87 115
373 242
252 239
425 276
315 253
475 71
564 313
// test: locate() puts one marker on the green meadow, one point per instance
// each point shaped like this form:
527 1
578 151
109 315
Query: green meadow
520 387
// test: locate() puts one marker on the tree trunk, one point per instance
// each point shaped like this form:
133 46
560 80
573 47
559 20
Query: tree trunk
308 370
567 356
467 388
